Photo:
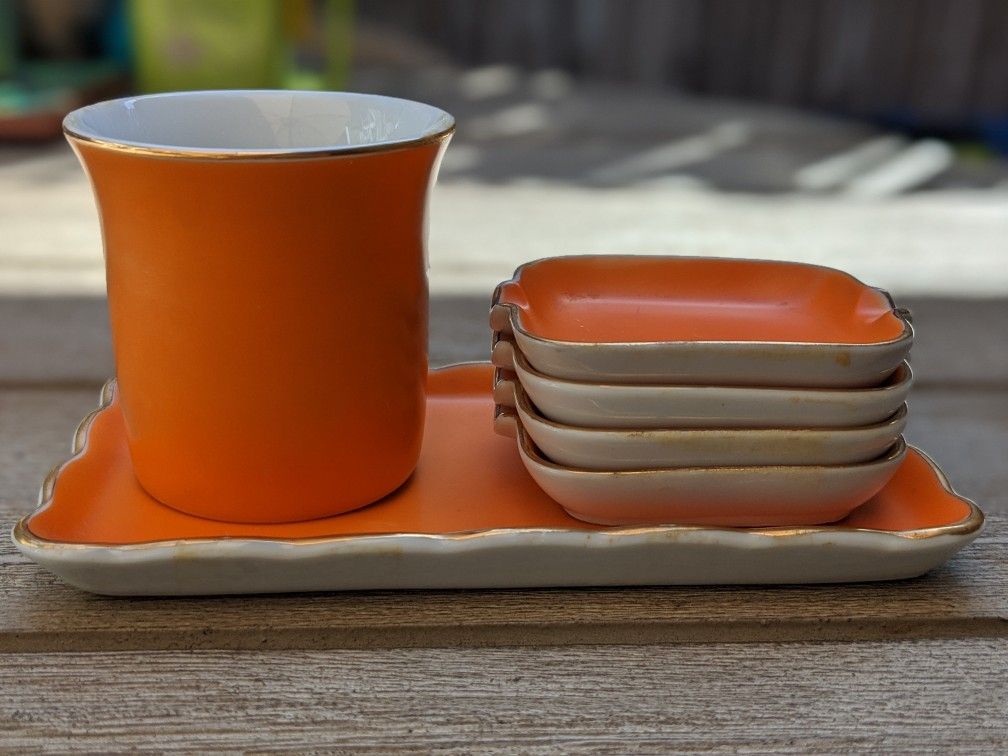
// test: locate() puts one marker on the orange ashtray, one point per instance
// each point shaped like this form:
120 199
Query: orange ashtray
714 321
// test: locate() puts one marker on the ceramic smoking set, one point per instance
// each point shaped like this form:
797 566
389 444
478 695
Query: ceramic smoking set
273 425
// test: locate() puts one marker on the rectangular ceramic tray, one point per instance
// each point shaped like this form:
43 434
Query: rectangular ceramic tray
471 517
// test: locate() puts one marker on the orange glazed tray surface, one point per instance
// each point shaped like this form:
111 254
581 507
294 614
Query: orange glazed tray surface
468 480
634 299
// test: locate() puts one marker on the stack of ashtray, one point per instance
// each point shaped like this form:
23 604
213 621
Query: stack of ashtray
707 391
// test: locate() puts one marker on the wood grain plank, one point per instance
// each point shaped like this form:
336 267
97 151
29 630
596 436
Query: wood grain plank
64 341
937 57
461 21
902 697
946 45
959 342
886 73
685 40
989 96
54 340
843 43
726 27
793 52
963 599
35 433
757 47
652 24
588 29
967 432
504 32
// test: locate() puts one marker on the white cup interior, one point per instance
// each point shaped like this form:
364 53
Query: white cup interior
257 121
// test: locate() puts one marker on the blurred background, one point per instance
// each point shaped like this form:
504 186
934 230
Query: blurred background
867 135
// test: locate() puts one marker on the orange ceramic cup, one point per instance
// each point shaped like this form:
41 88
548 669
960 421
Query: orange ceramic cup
265 258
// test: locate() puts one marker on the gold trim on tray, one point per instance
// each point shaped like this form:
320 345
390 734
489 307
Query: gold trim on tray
22 534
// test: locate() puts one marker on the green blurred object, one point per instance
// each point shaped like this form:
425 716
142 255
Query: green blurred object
319 47
240 44
339 40
8 38
206 44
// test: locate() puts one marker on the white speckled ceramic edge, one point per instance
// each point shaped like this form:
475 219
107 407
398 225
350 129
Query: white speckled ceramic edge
740 496
520 558
614 405
636 448
497 559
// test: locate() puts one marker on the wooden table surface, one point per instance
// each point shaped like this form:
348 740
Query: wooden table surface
906 666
